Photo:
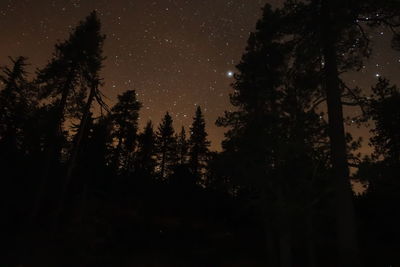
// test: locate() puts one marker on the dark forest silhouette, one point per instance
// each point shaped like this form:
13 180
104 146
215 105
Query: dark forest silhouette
90 188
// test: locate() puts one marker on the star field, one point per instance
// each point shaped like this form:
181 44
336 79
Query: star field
177 54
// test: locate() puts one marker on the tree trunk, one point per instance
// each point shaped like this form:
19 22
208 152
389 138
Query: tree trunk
285 249
75 149
272 260
345 215
311 255
285 242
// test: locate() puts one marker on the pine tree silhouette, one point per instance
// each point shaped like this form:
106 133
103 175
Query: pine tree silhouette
125 115
66 79
182 146
145 161
273 134
198 144
94 60
166 146
17 103
377 207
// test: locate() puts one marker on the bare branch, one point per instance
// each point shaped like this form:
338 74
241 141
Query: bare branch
364 35
317 103
360 101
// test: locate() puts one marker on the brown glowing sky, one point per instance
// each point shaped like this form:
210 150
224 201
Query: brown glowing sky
175 53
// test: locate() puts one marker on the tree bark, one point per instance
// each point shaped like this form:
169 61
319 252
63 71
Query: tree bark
345 214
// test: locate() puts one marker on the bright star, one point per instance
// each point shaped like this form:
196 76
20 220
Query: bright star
230 74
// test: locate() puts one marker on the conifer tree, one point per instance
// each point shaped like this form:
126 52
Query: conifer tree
166 146
94 59
377 206
65 82
125 115
182 146
274 133
18 102
383 110
145 160
198 144
334 32
18 142
72 71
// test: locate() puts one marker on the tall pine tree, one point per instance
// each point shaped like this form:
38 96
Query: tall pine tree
65 82
125 115
182 146
198 144
333 32
273 144
145 161
18 102
378 205
92 81
166 146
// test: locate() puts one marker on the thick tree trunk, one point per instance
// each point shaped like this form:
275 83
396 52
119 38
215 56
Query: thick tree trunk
345 215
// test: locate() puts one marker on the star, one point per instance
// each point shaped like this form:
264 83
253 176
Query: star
230 74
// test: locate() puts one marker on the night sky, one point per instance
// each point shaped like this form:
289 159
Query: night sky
175 53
